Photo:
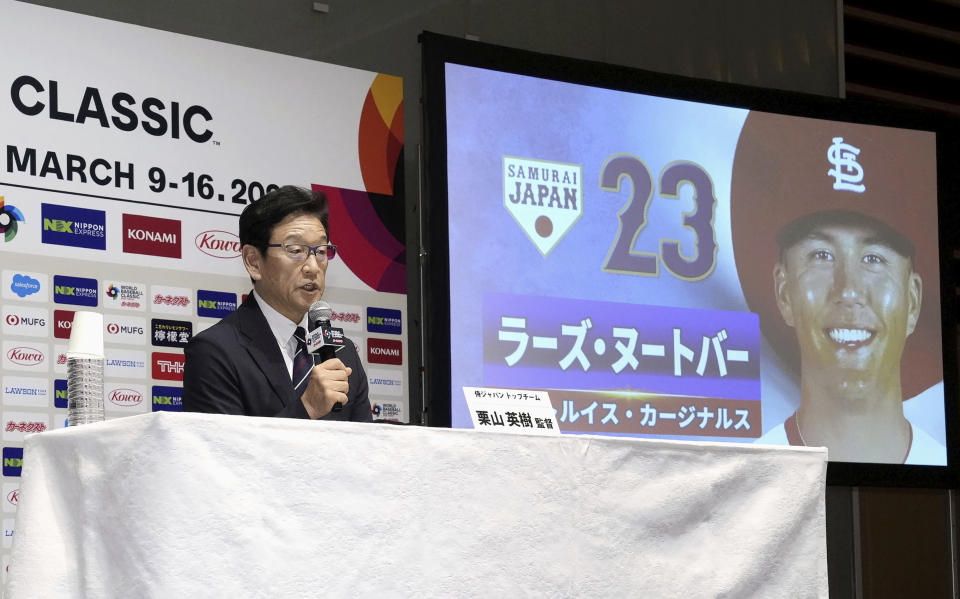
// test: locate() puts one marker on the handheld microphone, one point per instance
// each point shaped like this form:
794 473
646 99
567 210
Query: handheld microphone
323 339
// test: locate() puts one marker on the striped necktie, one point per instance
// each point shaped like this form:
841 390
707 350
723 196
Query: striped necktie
302 362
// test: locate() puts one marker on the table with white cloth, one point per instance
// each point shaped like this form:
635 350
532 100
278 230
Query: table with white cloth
199 505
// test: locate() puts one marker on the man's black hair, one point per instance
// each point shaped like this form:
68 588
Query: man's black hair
258 220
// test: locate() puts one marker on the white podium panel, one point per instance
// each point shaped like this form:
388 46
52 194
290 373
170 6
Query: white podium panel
179 505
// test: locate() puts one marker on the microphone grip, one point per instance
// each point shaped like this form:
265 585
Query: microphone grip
327 352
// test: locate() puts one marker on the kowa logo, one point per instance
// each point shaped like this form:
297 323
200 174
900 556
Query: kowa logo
10 216
544 197
75 227
151 236
218 244
25 356
126 397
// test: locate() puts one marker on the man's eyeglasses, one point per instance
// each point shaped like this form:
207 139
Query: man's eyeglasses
300 251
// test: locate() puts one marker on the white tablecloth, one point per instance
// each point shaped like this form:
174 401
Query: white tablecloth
194 505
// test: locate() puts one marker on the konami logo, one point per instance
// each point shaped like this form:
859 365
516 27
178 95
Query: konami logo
384 351
125 397
62 323
219 244
25 356
151 236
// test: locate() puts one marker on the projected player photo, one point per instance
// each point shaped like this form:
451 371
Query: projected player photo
835 238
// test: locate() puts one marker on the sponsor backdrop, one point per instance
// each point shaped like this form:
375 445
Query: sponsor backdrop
127 155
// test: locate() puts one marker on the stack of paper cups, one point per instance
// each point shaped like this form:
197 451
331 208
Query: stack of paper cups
85 369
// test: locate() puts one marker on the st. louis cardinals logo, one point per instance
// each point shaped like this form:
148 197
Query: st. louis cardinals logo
846 172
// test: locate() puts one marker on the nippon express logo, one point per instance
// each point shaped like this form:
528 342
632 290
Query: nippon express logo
218 244
75 227
151 236
215 304
60 393
383 320
170 333
544 197
12 461
167 399
10 216
75 290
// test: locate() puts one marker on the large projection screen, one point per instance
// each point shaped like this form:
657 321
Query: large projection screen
681 259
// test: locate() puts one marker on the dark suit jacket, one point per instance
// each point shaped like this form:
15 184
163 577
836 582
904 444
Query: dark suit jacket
235 367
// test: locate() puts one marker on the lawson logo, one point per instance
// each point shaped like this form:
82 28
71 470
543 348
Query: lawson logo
218 244
75 227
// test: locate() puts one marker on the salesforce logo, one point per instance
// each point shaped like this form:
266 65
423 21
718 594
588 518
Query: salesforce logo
24 285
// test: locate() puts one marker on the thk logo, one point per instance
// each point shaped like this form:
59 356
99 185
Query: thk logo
151 236
9 217
167 366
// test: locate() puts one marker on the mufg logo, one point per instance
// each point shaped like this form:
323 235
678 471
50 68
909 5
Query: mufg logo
544 197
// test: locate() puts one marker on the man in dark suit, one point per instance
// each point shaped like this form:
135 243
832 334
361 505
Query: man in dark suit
254 361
